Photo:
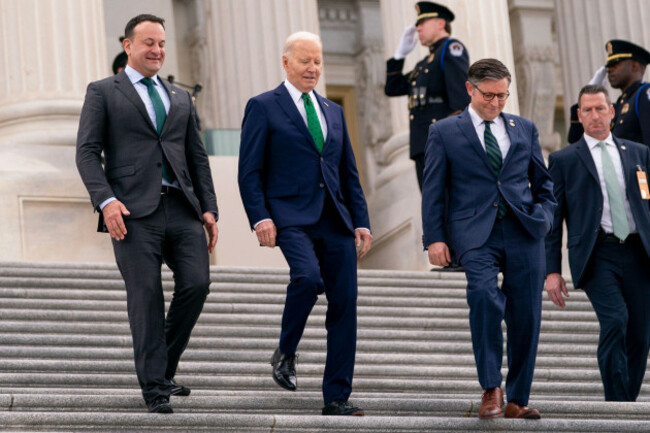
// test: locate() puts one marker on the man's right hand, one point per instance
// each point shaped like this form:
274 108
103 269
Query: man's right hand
600 76
439 254
556 287
113 220
406 44
266 233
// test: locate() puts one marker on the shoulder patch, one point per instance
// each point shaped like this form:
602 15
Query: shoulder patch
456 49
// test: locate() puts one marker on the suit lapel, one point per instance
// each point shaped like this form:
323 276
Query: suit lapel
173 97
585 155
289 107
625 162
469 131
514 135
125 87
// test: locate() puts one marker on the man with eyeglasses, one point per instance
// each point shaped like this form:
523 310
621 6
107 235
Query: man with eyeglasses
501 207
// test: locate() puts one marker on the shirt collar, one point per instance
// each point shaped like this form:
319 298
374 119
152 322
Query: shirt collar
136 76
593 142
296 94
477 120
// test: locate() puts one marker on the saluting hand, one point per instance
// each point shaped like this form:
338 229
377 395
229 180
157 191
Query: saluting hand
407 43
113 220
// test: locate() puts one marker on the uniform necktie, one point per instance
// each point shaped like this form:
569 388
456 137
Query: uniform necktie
494 156
619 218
161 116
313 124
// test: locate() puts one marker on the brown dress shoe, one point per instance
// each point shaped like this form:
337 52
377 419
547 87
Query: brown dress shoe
513 410
491 404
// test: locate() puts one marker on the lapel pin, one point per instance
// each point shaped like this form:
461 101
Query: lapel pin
512 122
325 103
623 147
173 92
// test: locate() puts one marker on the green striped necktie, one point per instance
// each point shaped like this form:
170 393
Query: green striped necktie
496 161
161 116
313 124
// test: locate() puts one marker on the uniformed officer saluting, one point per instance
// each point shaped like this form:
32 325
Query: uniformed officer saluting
626 64
436 86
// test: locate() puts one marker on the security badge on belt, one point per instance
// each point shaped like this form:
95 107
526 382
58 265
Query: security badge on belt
643 183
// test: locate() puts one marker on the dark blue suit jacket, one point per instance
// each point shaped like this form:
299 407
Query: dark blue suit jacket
580 202
455 159
281 174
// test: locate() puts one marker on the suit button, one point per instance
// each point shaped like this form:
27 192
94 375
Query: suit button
495 204
499 182
322 159
322 185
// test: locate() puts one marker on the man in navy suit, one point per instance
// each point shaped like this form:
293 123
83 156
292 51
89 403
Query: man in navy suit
501 207
602 192
300 187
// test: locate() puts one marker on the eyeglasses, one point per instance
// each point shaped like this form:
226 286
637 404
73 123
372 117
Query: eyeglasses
490 96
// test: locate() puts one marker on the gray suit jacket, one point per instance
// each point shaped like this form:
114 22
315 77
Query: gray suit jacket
114 120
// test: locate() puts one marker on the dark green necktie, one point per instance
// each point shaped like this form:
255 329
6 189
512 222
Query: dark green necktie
496 161
161 116
313 124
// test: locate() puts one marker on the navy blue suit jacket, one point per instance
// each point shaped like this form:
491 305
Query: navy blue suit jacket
283 177
580 202
455 159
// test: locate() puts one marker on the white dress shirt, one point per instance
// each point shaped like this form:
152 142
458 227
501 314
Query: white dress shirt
596 154
498 128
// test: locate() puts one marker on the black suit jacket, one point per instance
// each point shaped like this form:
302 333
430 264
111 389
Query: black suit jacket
580 202
114 120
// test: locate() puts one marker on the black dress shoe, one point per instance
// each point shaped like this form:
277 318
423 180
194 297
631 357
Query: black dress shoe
179 389
160 404
453 267
284 370
342 407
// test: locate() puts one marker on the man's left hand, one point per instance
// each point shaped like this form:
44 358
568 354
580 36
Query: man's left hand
363 239
210 224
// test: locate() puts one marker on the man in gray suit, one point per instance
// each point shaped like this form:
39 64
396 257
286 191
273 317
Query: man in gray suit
154 194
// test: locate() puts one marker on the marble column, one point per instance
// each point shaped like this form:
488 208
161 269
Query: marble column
51 50
584 26
535 54
231 76
395 200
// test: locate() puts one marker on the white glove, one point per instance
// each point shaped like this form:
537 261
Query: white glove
600 76
407 43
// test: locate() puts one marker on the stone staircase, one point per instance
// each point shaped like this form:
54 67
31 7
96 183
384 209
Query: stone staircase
66 360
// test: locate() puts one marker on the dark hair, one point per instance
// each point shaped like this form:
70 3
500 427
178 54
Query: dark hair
594 89
447 27
128 30
487 69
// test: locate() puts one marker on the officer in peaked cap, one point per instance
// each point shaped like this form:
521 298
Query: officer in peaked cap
625 66
436 85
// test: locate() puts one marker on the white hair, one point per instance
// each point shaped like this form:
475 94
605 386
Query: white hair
299 36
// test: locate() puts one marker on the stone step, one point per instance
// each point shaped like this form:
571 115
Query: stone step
26 328
309 405
254 423
258 355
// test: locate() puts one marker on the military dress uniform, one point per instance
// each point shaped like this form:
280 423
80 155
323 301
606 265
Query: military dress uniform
435 89
632 109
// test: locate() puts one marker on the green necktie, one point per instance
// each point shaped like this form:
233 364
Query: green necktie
161 116
313 123
496 161
619 218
